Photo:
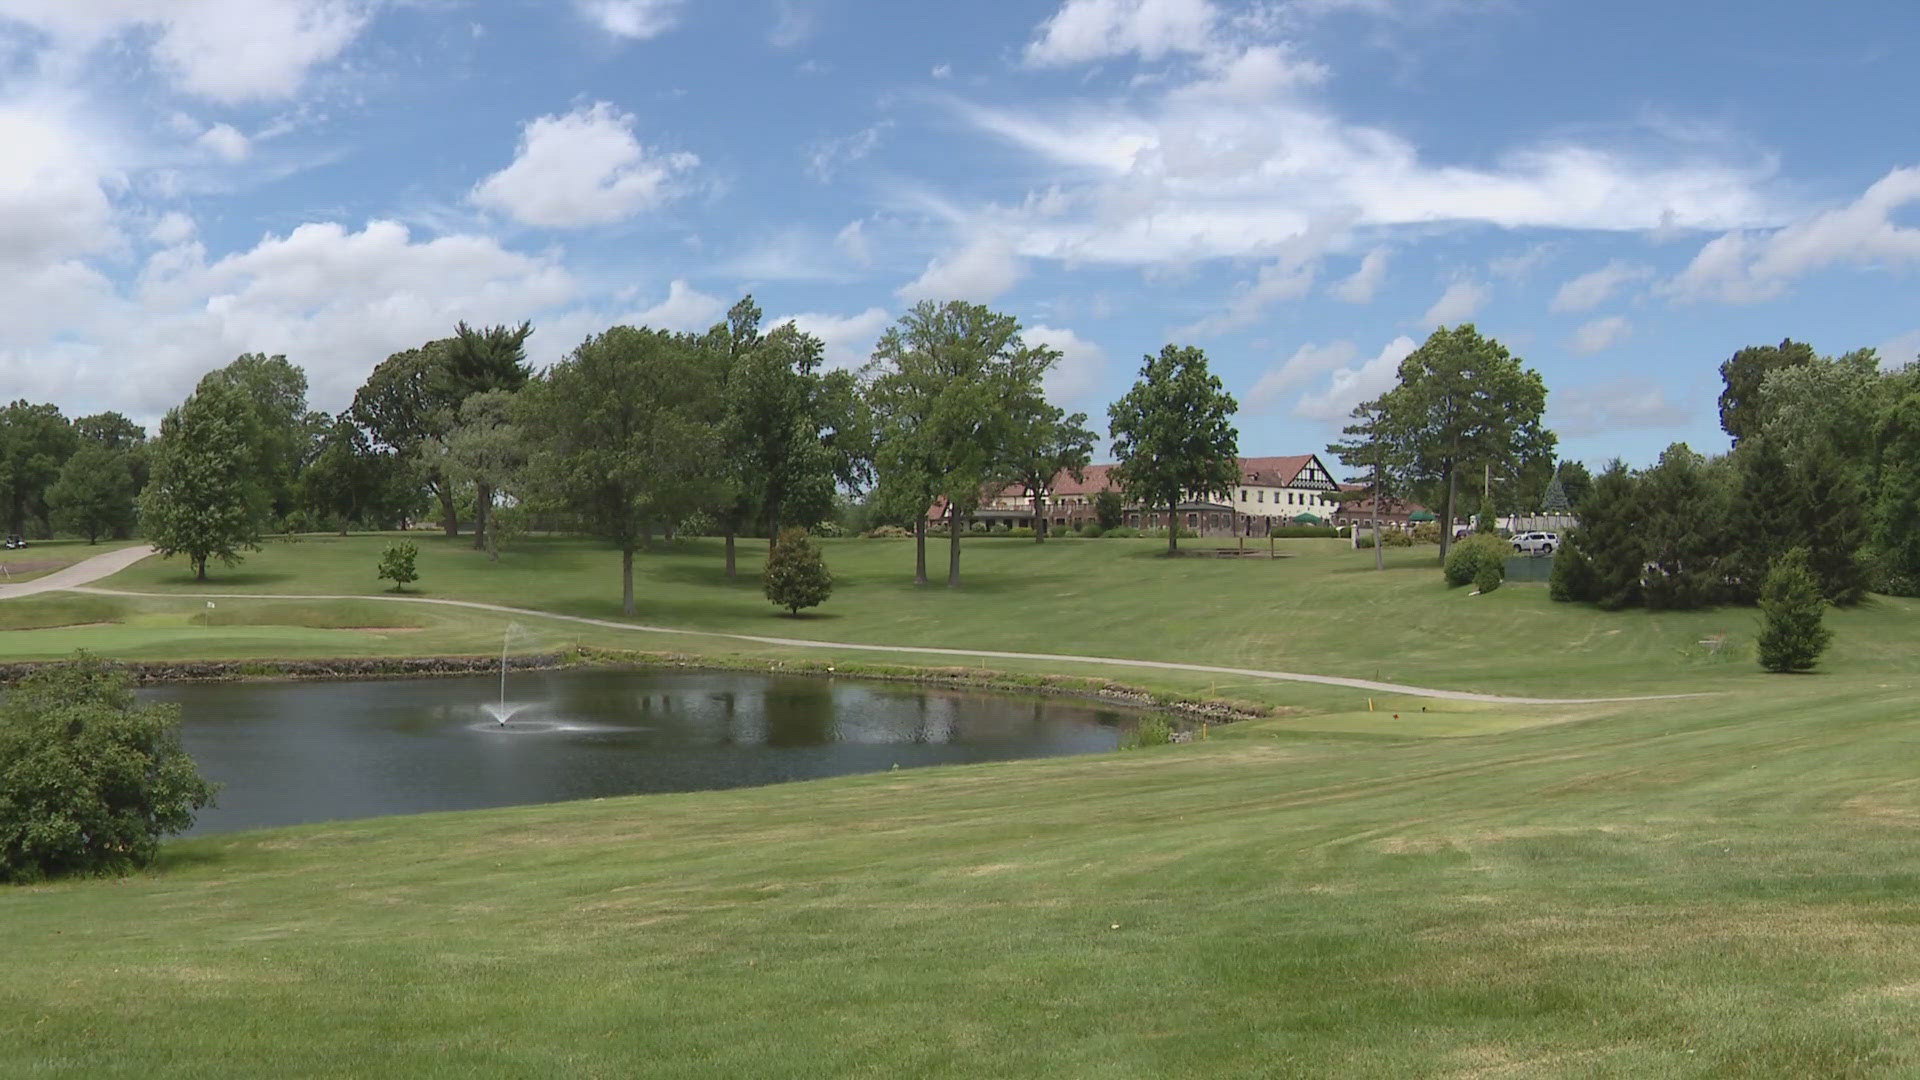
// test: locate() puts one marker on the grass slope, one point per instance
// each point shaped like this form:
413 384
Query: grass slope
1721 886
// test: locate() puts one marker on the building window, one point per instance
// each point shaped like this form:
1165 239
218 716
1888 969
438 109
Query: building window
1192 521
1289 498
1243 494
1260 497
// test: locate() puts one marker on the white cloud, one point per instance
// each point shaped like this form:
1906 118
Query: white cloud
635 20
226 141
942 71
1365 281
977 272
849 339
1282 279
1082 363
1901 350
852 242
792 24
1351 385
172 227
1743 267
1458 304
826 157
685 308
1601 334
1608 408
1521 264
584 168
1084 30
223 50
1590 290
1308 362
53 198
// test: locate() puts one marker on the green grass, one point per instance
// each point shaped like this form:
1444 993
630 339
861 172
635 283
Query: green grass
1718 886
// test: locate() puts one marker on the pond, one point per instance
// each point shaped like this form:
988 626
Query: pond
288 753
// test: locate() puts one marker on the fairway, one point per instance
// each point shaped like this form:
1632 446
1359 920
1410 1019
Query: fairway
1379 886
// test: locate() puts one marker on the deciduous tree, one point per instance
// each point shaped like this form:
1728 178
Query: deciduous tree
1376 455
1173 434
1742 412
1046 443
94 494
202 501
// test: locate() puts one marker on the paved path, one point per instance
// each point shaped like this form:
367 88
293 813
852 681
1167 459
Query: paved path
79 573
77 576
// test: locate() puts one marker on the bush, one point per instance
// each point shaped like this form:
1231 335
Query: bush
1395 538
828 529
1489 576
1109 509
979 528
1791 608
1364 542
1295 532
1126 532
1021 531
1092 530
1571 578
1150 731
89 780
1469 555
397 564
886 532
796 576
1426 532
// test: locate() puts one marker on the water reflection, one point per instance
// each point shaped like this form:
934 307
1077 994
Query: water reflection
296 752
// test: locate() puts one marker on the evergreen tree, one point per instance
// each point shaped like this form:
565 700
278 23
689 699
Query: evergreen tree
1828 503
1760 526
796 576
1791 635
1682 524
1606 554
1896 509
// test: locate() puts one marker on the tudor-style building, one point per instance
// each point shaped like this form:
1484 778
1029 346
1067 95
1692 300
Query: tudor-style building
1272 491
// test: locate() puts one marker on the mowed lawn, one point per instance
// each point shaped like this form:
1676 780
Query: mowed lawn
1322 610
1723 885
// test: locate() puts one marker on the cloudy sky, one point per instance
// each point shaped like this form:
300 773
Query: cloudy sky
1623 193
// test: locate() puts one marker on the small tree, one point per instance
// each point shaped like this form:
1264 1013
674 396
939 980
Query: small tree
797 576
1109 509
94 494
1173 433
397 564
89 780
1791 608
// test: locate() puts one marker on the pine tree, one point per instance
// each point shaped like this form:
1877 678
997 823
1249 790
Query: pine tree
797 576
1608 550
1791 635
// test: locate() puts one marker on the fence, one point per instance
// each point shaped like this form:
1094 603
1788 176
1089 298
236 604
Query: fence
1529 568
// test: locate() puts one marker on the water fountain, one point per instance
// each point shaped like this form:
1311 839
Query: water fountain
501 711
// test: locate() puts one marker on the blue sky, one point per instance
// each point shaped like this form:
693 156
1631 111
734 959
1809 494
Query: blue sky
1624 193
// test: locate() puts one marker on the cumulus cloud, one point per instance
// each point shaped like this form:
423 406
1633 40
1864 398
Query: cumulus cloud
1745 266
1458 304
1084 30
53 200
1082 363
977 272
1359 287
584 168
848 339
222 50
1354 383
635 20
1308 363
1601 334
852 242
226 141
685 308
1590 290
1904 349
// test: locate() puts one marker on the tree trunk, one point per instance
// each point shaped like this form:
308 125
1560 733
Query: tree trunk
199 568
449 520
667 531
730 568
953 548
1379 554
1446 530
920 549
1173 527
626 581
1039 518
482 512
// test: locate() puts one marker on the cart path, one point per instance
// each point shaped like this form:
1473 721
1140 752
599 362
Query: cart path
80 573
75 578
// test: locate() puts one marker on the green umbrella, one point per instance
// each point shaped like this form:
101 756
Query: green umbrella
1422 515
1305 519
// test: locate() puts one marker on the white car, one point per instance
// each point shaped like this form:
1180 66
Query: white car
1536 543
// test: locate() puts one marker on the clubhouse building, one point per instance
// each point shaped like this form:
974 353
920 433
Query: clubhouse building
1272 492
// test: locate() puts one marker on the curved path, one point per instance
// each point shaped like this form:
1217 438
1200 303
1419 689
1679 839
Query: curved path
75 578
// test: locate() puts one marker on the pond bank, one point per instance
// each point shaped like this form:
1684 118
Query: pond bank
160 672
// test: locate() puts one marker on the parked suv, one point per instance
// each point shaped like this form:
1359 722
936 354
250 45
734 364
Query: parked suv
1536 543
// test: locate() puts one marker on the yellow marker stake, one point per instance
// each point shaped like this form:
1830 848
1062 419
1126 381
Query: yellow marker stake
1369 704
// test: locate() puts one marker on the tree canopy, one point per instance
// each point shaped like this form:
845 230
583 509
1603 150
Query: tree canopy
1173 434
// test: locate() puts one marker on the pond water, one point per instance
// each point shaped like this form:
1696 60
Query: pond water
288 753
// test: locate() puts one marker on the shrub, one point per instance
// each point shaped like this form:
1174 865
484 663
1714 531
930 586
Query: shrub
397 564
1791 608
828 529
1364 542
1426 532
797 576
1092 530
886 532
1150 731
89 780
1109 509
1395 538
1489 576
1571 577
1126 532
1020 530
979 528
1294 532
1468 555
